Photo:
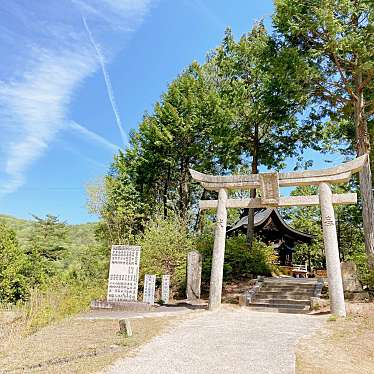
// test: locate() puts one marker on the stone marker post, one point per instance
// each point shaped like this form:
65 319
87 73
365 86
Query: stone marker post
149 289
332 252
216 276
194 267
351 282
165 289
125 327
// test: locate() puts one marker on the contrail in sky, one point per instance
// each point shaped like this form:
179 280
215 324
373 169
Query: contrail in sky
108 83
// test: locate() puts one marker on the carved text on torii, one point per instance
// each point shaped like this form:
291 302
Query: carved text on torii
269 189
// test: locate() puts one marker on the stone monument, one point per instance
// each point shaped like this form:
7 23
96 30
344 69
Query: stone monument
123 273
149 289
350 278
268 184
194 267
165 289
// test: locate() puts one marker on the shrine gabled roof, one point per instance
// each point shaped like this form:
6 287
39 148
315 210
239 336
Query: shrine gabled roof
262 216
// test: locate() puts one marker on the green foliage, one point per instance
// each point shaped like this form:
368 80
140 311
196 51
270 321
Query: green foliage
183 132
57 271
86 264
261 87
308 220
22 227
239 261
335 37
365 274
13 267
116 201
48 237
310 254
165 244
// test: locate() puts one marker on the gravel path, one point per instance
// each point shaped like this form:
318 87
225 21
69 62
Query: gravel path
229 341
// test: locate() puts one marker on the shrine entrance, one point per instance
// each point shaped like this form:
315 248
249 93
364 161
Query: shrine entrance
269 184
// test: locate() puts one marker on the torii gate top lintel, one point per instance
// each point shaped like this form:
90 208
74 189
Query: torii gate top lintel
338 174
269 184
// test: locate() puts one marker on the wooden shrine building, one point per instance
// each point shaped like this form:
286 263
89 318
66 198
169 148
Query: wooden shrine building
273 230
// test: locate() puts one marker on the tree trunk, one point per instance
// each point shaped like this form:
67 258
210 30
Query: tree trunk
165 193
199 223
251 211
183 188
363 147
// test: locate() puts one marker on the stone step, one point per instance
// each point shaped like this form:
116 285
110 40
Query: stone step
307 281
275 285
277 310
286 292
290 292
281 301
278 305
286 296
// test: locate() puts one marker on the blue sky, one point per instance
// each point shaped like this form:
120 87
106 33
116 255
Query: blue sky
74 72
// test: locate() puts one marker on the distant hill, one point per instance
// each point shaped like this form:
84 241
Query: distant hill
78 235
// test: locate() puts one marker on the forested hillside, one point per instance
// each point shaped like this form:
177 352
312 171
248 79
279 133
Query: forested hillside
77 235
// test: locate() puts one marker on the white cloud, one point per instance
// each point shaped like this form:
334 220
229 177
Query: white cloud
98 139
35 108
108 82
48 60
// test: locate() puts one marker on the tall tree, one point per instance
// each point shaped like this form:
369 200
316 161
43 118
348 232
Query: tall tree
14 281
262 89
336 37
49 237
117 202
183 132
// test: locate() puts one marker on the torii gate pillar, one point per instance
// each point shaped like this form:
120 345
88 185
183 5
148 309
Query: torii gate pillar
336 292
216 277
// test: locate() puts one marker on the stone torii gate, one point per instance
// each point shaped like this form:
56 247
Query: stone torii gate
269 184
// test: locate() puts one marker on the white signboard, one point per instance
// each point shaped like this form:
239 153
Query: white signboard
165 288
124 273
149 288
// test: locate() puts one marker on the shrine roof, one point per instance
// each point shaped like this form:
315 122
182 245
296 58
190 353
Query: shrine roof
262 216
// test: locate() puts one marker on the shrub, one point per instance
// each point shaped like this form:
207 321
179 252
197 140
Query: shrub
165 244
13 267
239 261
365 274
310 254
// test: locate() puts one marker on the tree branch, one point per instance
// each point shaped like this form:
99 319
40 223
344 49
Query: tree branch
344 79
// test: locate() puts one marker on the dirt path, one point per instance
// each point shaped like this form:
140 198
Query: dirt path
229 341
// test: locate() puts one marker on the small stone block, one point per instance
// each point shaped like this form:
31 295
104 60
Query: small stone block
125 327
242 300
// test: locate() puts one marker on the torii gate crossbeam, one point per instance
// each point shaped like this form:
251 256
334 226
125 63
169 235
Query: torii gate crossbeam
269 184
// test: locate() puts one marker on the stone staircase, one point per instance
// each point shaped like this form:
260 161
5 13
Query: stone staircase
282 295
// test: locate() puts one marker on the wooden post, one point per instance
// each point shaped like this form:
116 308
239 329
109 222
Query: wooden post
330 239
216 276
